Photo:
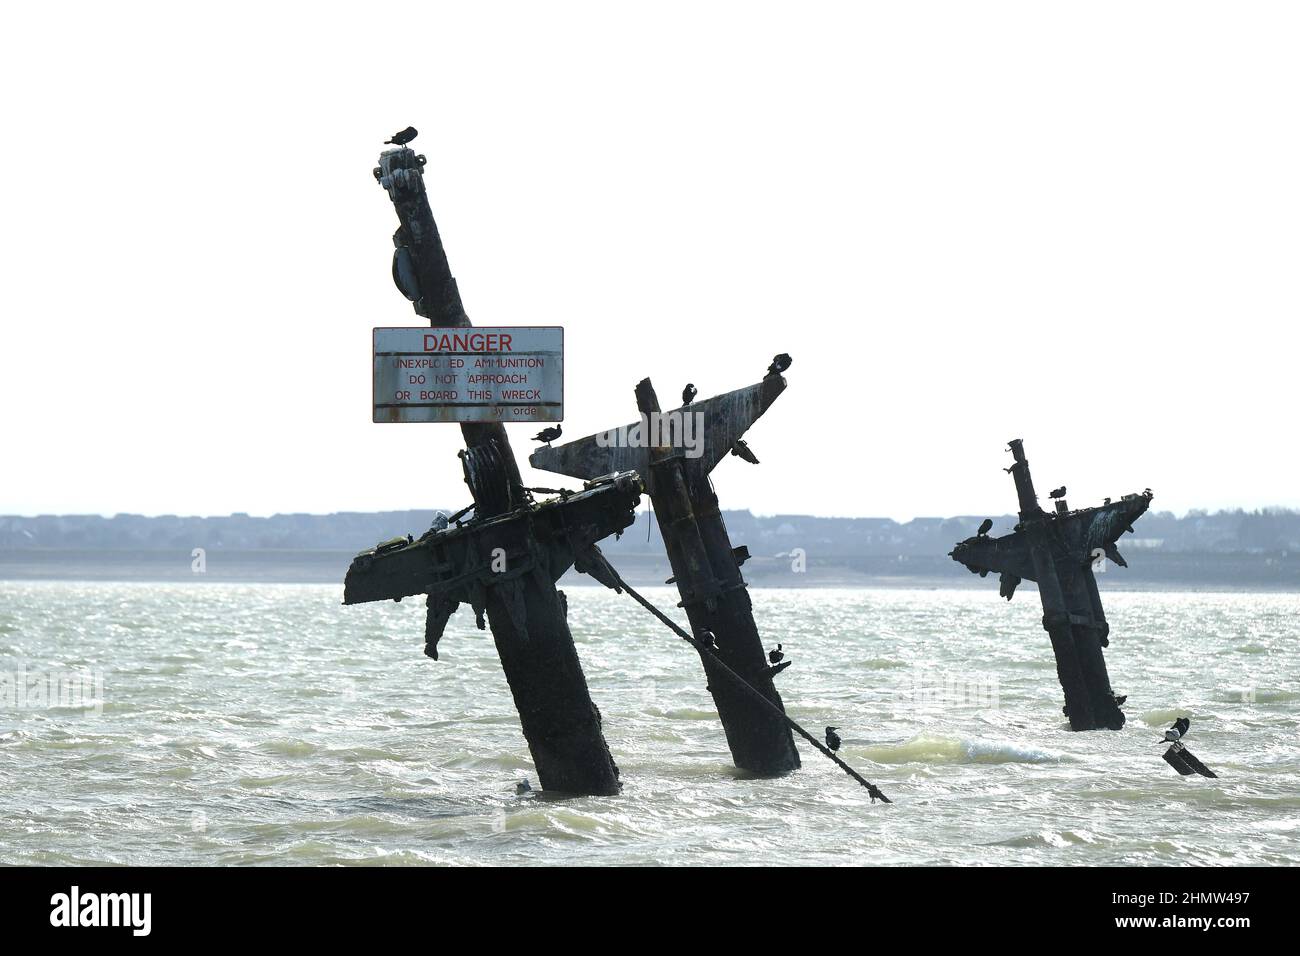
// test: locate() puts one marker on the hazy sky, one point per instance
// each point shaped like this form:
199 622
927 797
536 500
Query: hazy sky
1071 223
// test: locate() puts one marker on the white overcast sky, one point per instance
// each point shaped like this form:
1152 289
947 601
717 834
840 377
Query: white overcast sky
967 222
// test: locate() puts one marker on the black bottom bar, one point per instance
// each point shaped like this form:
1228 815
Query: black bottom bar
910 909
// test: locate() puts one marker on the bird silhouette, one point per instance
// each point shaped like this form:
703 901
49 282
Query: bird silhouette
776 656
1178 756
706 638
779 364
833 739
548 435
741 450
1175 733
1057 492
985 526
402 138
688 394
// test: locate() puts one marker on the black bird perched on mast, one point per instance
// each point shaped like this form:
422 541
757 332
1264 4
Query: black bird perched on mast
1178 756
1057 492
985 526
402 138
688 394
833 739
779 364
1175 733
548 435
776 656
741 450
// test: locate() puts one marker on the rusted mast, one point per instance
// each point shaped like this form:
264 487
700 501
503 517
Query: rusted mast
528 615
706 568
716 600
422 274
1056 550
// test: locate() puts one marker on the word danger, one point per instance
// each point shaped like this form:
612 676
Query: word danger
467 341
103 909
465 374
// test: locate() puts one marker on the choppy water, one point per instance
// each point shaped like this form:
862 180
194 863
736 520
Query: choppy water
267 724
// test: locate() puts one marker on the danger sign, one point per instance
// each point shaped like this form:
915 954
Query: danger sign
508 374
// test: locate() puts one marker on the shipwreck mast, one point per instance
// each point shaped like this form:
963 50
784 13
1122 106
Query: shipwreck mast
706 567
1057 549
527 614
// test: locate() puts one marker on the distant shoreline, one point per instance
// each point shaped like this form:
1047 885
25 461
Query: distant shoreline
1148 571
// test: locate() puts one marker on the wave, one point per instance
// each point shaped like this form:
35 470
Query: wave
1053 839
289 748
1163 718
932 749
685 713
1275 696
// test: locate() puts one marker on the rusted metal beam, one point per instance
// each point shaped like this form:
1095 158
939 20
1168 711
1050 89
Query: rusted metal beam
422 274
706 567
1057 549
725 419
528 616
505 569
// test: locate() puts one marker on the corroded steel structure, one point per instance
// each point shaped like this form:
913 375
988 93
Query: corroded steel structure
706 567
505 560
1058 550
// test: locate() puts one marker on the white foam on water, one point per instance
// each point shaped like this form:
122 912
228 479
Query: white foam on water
932 749
250 724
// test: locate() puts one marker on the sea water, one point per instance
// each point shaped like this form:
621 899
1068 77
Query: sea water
266 724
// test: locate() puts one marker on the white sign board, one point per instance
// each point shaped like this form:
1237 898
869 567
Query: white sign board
503 374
